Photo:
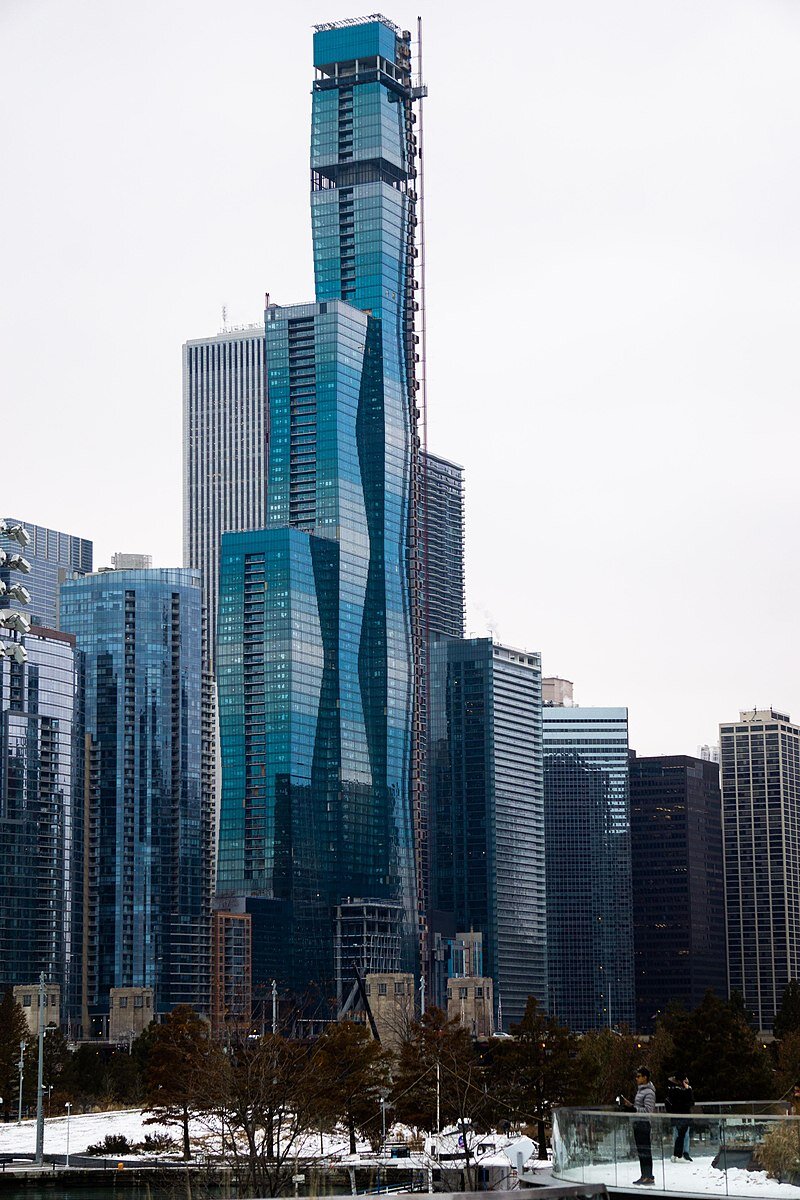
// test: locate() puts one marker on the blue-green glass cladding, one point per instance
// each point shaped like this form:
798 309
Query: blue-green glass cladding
139 652
315 654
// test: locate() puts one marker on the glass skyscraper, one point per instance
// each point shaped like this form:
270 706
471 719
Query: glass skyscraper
588 857
487 826
679 914
148 859
53 556
40 818
760 763
444 546
319 615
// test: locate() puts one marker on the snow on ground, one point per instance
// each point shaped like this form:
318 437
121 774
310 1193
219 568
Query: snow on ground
87 1129
697 1178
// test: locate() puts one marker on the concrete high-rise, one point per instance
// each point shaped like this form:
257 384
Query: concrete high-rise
588 856
318 655
53 557
41 818
443 516
148 863
760 764
225 449
677 872
486 810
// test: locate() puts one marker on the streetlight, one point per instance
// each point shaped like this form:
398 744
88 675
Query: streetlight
67 1106
21 1065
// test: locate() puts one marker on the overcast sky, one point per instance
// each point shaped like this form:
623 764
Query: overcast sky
613 250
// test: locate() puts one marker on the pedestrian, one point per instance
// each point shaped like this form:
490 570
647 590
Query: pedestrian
680 1100
643 1102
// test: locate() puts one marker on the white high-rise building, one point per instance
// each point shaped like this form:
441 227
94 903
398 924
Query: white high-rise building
225 441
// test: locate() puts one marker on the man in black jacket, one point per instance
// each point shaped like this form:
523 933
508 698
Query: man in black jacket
679 1100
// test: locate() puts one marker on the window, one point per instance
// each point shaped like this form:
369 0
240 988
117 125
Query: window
138 1001
463 993
399 988
26 1000
382 989
123 1001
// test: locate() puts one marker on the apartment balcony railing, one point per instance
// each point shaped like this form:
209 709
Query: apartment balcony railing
734 1150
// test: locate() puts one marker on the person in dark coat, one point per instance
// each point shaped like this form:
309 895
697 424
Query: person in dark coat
679 1101
643 1102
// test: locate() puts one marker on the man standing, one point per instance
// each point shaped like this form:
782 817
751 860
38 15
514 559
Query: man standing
679 1100
644 1102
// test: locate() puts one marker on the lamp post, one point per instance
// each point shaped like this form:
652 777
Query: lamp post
39 1105
21 1065
68 1107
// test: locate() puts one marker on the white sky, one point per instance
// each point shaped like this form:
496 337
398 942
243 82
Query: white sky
613 251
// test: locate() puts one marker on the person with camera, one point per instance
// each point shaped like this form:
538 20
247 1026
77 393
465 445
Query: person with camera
679 1100
643 1102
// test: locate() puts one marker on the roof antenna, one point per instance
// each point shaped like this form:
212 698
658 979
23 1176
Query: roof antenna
224 316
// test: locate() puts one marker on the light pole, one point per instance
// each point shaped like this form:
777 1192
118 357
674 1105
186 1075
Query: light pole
67 1106
40 1088
21 1065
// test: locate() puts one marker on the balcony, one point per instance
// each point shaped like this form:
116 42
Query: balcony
748 1149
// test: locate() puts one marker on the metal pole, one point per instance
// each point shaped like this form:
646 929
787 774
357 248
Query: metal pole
422 996
438 1080
21 1065
68 1106
274 1007
40 1088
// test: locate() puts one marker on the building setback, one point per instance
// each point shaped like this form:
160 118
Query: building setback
486 806
588 855
53 557
142 768
677 870
225 449
41 824
760 762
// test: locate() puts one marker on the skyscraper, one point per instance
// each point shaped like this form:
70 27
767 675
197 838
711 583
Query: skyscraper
40 818
760 759
444 549
486 805
319 614
588 855
677 871
53 556
225 444
148 864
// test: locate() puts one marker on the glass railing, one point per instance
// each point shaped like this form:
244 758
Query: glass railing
735 1153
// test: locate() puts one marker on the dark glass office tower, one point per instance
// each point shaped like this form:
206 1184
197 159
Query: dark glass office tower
318 655
40 820
760 763
588 854
148 858
443 558
487 826
677 872
53 557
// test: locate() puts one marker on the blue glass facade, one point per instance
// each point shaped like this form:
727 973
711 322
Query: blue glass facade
588 857
487 827
53 556
40 819
148 859
316 646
